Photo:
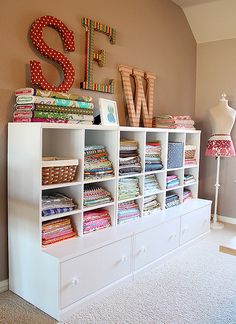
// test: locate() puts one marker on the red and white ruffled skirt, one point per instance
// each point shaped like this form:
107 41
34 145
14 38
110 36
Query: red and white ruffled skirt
220 145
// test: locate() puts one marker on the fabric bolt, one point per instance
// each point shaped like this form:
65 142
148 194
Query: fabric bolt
151 204
153 156
60 121
96 219
188 179
128 188
56 115
151 184
173 122
129 160
172 200
220 145
96 195
56 203
187 195
128 211
172 181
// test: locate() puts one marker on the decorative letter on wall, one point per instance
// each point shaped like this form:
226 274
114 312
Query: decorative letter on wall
36 34
99 57
141 102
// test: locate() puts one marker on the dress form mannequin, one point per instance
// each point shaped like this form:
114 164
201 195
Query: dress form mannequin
222 118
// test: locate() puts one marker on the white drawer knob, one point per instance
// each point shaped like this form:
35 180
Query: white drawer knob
172 236
142 249
124 259
184 229
74 282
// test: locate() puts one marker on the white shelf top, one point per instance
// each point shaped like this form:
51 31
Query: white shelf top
175 169
61 185
174 188
80 245
60 215
98 206
98 180
190 166
125 200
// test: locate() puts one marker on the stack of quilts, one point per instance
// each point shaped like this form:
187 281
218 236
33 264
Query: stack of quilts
189 179
172 181
96 163
35 105
172 199
96 195
95 220
57 230
128 211
128 188
189 154
151 204
151 184
175 122
129 161
153 156
56 203
187 195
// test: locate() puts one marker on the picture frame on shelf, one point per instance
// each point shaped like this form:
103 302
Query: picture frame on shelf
108 112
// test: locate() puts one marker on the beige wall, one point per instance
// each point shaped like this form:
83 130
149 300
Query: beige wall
153 35
216 73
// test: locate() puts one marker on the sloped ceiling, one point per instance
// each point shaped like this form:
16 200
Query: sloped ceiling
210 20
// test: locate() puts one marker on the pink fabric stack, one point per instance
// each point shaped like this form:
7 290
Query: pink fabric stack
96 219
173 122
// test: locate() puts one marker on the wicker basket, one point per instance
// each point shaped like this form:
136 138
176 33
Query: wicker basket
58 170
189 151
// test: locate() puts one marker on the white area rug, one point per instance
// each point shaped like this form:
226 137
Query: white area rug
197 286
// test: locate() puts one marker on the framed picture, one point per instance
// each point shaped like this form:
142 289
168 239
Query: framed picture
108 112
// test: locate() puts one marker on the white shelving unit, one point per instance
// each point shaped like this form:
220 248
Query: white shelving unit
58 278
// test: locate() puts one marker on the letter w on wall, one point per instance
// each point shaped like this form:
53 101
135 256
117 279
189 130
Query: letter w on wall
139 102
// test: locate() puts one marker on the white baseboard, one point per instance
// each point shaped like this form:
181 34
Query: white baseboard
226 219
3 286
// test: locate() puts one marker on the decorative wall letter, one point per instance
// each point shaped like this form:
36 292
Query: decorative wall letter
141 103
36 34
99 57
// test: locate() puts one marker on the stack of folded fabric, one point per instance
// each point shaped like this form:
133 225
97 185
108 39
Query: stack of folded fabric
151 204
128 188
189 154
153 156
95 220
96 195
189 179
187 195
96 163
56 203
172 199
172 181
129 161
151 184
57 230
128 211
35 105
168 121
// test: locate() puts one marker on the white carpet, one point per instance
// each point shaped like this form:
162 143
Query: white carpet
197 286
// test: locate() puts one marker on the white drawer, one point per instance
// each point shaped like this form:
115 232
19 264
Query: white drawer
195 223
92 271
152 244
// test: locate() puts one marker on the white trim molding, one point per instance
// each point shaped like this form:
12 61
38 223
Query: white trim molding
226 219
3 285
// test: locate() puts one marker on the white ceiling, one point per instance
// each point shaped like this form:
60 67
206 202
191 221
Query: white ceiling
210 20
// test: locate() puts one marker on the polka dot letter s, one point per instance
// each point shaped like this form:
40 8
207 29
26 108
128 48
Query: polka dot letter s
36 34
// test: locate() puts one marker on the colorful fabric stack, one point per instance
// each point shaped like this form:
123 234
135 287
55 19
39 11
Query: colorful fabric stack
172 199
173 122
95 220
35 105
189 154
96 195
57 230
129 161
151 204
172 181
189 179
56 203
96 163
187 195
153 156
128 211
128 188
151 184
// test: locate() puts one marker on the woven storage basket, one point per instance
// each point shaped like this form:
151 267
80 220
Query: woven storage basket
189 151
58 170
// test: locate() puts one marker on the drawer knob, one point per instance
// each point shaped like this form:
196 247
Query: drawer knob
142 249
74 282
124 259
172 236
184 229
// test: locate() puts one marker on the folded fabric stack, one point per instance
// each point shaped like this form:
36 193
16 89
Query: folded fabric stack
189 179
129 161
187 195
151 184
172 181
57 230
151 203
128 188
153 156
56 203
172 199
35 105
96 163
95 220
96 195
168 121
189 154
128 211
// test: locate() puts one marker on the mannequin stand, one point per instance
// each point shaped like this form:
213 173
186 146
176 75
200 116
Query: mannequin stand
215 224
